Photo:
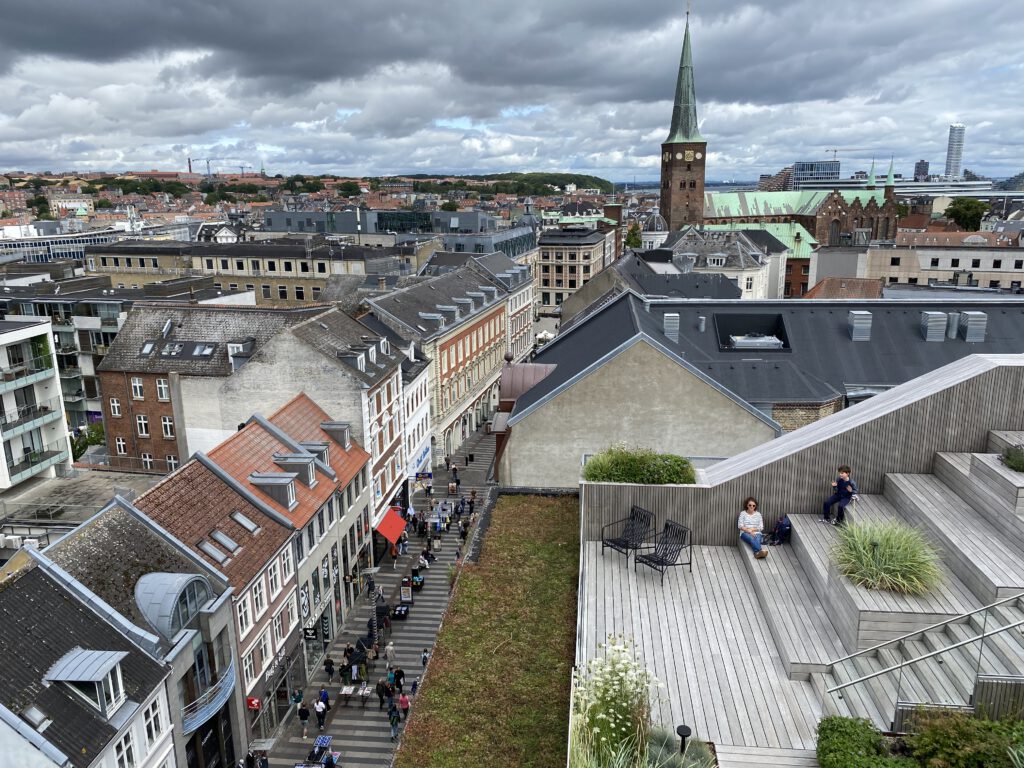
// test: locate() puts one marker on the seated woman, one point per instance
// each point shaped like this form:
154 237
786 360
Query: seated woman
751 527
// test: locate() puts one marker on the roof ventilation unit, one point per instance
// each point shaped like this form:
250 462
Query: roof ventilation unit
933 326
860 325
671 321
952 323
972 326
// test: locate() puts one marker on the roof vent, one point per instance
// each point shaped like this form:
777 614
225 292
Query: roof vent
972 326
340 432
167 329
672 326
859 322
933 326
952 323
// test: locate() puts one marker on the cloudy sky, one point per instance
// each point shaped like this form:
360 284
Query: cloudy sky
468 86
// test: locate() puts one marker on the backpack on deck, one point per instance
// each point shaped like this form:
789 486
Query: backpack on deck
781 532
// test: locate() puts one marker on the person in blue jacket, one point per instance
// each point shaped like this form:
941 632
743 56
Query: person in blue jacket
844 490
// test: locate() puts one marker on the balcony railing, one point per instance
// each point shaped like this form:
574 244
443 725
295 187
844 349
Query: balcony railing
20 374
36 460
29 416
70 372
209 702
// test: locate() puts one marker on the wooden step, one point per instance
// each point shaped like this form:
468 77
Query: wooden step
979 553
1003 482
804 636
954 469
1000 440
740 756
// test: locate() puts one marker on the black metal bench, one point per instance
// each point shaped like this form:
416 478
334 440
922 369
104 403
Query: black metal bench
668 545
638 528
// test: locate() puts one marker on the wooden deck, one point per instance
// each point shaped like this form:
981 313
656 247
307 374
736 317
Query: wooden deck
705 637
748 757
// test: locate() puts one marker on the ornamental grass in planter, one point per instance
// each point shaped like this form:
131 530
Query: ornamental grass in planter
622 464
890 556
1013 457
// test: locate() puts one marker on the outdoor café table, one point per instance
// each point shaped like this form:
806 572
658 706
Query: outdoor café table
347 691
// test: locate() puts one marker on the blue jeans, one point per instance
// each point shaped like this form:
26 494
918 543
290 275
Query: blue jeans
831 501
753 539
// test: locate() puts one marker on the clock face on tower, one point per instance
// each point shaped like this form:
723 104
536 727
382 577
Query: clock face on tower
698 155
689 155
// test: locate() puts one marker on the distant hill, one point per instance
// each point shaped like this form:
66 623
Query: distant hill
509 183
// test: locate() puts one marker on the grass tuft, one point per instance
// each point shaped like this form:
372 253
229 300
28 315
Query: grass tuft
1013 457
621 464
889 556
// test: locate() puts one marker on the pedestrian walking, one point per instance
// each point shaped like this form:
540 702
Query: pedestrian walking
297 696
394 556
455 473
304 718
320 709
403 543
399 678
389 653
467 459
329 669
395 719
424 657
381 691
415 687
472 503
403 704
325 697
447 463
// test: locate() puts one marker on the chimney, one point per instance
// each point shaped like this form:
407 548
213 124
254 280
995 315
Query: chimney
702 323
671 320
382 283
859 322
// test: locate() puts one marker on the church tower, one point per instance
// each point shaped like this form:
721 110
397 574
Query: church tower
684 152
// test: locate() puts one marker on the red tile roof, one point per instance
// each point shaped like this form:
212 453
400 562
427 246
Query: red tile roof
301 418
846 288
194 501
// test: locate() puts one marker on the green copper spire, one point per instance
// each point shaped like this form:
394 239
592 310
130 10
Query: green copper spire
890 180
871 176
684 112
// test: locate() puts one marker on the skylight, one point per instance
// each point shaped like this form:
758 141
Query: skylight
213 552
172 350
245 522
203 350
225 541
147 348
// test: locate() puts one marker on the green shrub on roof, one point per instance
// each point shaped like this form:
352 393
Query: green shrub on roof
621 464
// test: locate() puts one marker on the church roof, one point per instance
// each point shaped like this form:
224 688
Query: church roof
802 202
684 112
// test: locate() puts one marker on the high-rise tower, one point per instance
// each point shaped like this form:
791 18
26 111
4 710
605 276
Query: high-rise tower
683 152
955 150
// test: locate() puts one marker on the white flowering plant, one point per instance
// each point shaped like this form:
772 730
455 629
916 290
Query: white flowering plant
612 698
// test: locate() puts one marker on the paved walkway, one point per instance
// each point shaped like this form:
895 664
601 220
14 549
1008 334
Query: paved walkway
361 733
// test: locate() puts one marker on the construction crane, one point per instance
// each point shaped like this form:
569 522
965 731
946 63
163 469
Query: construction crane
835 152
208 160
242 169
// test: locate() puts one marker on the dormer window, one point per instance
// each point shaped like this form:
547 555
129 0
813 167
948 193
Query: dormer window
94 676
361 363
372 352
385 348
280 486
291 494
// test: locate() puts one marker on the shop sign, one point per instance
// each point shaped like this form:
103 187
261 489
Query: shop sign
279 660
304 601
253 702
325 572
325 625
309 633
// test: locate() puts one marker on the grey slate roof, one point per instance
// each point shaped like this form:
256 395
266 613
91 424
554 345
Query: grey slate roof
406 304
40 622
569 236
338 337
110 553
191 324
410 368
819 361
738 248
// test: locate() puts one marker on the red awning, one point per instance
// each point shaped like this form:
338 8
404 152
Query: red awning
391 525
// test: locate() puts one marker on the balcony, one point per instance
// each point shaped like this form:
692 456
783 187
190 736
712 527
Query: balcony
32 462
28 417
62 322
209 702
25 373
70 372
110 323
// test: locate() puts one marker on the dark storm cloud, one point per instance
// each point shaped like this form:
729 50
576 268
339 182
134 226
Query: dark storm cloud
361 87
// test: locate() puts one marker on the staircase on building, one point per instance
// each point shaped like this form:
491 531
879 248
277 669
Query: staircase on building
961 646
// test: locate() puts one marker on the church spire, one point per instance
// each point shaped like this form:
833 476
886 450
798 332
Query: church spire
890 180
871 177
684 112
